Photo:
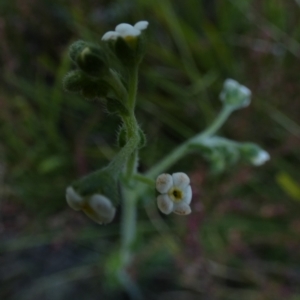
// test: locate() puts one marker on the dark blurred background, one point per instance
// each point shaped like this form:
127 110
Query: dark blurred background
242 240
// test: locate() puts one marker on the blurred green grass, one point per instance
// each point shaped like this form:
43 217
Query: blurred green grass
242 241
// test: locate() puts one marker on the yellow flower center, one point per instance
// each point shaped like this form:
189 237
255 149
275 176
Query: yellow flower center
131 41
89 211
175 194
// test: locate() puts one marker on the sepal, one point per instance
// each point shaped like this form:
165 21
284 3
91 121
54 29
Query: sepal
125 52
102 182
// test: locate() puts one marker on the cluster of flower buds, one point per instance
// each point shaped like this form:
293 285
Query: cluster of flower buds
104 71
235 95
223 153
99 72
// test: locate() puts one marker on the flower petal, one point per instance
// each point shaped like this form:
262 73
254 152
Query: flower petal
164 182
182 209
74 200
141 25
180 180
110 35
165 204
125 30
100 209
187 198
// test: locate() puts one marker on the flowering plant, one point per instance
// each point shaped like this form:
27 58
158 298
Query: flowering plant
108 72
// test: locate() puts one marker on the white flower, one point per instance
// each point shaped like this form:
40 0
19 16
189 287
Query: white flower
176 193
99 208
260 158
126 31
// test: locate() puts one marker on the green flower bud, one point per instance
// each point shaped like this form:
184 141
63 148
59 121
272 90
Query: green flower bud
235 95
75 49
92 60
254 154
72 82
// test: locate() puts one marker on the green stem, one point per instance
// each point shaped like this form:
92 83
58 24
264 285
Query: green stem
217 124
130 122
132 87
114 80
128 220
132 131
131 288
181 150
144 179
122 157
128 228
131 165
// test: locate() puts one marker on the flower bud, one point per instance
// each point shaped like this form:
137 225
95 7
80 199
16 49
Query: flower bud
96 194
73 81
75 49
99 208
235 95
254 154
92 60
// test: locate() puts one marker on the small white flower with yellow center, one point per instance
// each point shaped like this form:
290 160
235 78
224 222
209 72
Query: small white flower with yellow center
126 31
176 193
97 207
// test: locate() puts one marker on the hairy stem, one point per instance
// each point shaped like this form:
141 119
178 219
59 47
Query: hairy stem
181 150
129 218
132 87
